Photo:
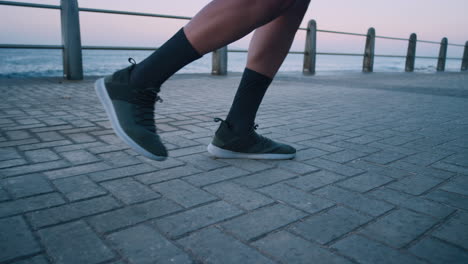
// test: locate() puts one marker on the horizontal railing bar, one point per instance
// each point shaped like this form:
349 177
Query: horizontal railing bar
131 13
29 46
426 57
11 3
340 32
116 48
390 56
393 38
427 41
339 54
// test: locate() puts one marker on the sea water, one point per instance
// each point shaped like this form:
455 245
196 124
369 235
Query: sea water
48 63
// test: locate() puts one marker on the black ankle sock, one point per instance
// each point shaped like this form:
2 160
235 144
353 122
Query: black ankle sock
164 62
249 95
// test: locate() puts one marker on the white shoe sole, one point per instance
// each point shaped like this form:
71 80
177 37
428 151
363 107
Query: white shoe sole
103 96
227 154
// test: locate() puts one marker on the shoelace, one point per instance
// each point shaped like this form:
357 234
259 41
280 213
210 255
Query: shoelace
264 141
145 100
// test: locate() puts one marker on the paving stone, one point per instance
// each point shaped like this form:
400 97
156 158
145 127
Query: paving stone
9 153
399 140
379 169
187 151
27 169
3 195
44 145
120 172
438 252
452 199
213 246
130 191
295 166
357 147
310 154
215 176
119 159
296 198
354 200
78 157
450 167
415 184
16 240
365 182
344 156
74 147
168 174
193 219
41 259
331 139
22 186
183 193
426 171
238 195
457 159
109 148
77 170
167 164
203 162
264 178
292 249
328 226
426 158
417 204
335 167
30 204
81 138
41 155
365 251
315 180
78 187
399 228
74 243
16 135
12 163
457 185
72 211
262 221
455 230
142 244
132 215
384 157
365 139
14 143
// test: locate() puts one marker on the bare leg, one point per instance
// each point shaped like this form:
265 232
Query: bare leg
271 42
224 21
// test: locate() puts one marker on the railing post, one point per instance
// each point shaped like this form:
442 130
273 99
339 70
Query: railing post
442 55
310 48
71 40
464 66
368 64
219 61
411 55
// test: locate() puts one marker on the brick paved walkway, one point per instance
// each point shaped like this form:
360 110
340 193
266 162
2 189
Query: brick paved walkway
381 175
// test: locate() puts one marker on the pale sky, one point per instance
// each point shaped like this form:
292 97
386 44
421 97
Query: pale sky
430 19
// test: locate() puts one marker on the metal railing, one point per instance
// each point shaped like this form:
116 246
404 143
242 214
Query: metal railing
72 49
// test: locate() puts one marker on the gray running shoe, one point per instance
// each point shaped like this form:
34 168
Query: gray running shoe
226 144
131 112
